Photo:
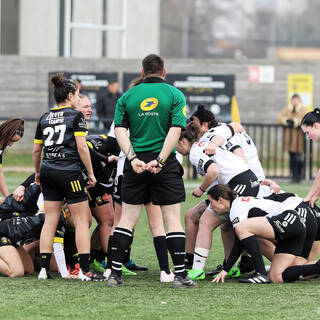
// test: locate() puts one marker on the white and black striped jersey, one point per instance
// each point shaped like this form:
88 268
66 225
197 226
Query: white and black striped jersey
222 129
243 141
57 130
243 208
230 165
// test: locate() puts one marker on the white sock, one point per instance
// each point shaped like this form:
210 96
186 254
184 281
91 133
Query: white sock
200 258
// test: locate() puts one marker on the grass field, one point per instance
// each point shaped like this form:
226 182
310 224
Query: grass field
144 297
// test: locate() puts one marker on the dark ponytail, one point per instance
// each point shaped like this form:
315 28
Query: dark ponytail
61 87
311 117
192 132
223 191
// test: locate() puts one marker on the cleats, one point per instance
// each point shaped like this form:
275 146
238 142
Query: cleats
165 277
90 276
96 266
127 272
115 280
215 272
44 275
195 274
73 273
132 266
256 278
180 283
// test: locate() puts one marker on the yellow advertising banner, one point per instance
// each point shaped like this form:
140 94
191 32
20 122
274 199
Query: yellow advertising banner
301 84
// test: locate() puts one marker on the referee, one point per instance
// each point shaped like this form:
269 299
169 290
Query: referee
154 112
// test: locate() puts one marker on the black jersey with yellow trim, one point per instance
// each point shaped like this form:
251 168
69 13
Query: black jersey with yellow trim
27 206
101 147
24 230
57 130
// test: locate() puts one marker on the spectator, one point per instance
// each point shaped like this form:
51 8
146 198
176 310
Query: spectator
290 117
106 102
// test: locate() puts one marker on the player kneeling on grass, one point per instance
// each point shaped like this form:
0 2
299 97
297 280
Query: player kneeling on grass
261 218
16 232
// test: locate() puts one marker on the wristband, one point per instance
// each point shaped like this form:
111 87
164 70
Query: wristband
161 161
134 157
202 189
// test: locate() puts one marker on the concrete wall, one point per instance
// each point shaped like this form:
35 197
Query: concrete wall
39 28
142 33
24 82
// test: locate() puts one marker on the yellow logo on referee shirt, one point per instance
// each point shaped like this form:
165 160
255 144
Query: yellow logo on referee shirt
184 111
149 104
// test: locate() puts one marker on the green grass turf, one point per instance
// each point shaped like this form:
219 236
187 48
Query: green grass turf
144 297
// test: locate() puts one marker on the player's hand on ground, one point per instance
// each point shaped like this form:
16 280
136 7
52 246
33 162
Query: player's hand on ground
138 166
113 158
18 194
91 180
153 166
211 148
37 179
220 277
197 192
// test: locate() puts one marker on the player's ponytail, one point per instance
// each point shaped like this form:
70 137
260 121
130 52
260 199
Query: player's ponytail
61 87
311 117
223 191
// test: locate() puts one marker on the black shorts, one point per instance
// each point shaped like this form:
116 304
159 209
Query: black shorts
290 232
117 185
99 195
60 185
4 240
246 184
164 188
307 216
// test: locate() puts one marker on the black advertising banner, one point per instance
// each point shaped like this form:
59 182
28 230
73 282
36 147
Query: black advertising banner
215 91
92 84
127 78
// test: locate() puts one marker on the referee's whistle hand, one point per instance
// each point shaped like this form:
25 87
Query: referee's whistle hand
138 166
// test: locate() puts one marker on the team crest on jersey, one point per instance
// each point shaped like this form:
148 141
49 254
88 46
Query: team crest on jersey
149 104
83 123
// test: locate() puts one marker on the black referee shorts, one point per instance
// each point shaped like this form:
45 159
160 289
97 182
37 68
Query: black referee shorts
290 232
60 185
164 188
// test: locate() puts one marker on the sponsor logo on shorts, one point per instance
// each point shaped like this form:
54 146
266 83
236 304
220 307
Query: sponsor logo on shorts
254 184
99 200
278 225
149 104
